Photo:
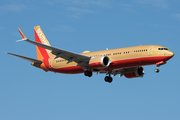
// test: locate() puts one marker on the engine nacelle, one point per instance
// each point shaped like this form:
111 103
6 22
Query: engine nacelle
134 72
99 62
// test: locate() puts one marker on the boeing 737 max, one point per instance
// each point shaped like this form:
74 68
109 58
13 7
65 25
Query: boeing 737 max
127 61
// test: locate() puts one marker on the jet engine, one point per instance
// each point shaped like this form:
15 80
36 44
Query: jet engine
99 62
134 72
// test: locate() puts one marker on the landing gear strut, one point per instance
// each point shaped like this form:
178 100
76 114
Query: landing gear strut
158 64
88 73
157 70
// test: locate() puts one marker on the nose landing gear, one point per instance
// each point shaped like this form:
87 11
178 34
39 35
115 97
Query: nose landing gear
156 70
158 64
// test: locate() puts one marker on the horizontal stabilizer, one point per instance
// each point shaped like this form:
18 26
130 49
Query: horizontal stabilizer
26 58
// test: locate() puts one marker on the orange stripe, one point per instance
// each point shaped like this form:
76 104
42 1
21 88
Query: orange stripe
39 55
43 67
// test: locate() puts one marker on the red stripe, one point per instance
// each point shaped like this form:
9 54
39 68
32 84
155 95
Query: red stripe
42 51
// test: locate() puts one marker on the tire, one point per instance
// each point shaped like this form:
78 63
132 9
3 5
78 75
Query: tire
156 70
89 73
108 79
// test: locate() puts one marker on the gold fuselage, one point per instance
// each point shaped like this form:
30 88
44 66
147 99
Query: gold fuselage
121 58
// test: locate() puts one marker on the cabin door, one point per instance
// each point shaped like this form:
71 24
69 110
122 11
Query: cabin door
150 52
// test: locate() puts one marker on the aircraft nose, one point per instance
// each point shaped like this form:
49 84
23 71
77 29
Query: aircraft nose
170 53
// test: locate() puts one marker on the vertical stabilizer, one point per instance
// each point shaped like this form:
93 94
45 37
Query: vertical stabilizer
42 53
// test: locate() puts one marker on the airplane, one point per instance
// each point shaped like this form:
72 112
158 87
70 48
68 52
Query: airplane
128 61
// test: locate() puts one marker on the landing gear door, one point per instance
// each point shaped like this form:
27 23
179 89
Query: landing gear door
150 52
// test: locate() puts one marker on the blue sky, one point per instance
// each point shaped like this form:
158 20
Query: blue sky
28 93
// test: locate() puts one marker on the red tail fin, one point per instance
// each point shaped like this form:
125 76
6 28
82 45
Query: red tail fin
42 53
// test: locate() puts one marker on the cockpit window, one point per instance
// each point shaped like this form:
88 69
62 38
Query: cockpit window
162 49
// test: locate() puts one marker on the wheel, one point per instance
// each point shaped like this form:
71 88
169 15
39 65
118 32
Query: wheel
108 79
156 70
88 73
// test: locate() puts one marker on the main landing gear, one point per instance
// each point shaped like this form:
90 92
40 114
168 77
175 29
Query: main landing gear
108 78
88 73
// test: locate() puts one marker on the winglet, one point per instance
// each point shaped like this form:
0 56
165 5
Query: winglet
22 35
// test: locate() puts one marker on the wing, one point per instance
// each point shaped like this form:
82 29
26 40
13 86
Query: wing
26 58
81 60
115 72
119 71
124 71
